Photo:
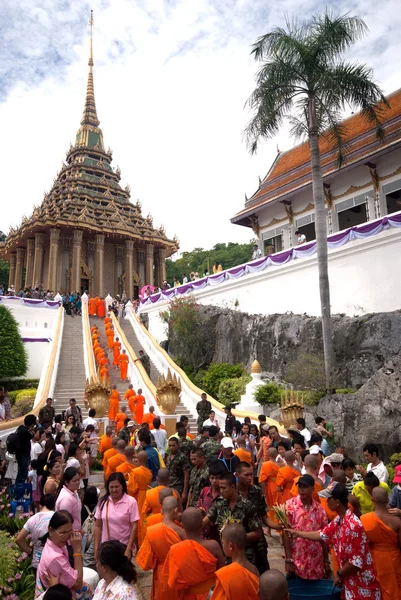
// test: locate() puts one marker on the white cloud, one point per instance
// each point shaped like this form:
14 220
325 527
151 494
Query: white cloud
171 80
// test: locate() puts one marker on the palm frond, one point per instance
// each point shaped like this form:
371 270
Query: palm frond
334 131
332 35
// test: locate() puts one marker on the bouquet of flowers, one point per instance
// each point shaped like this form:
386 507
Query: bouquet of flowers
228 520
280 513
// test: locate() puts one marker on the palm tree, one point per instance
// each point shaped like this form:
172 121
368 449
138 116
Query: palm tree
303 78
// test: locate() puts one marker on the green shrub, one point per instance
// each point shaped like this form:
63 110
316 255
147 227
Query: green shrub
18 383
217 373
269 393
307 373
23 402
8 561
13 355
345 391
231 390
312 397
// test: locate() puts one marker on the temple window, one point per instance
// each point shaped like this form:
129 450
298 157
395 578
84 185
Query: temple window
306 225
392 191
272 241
352 212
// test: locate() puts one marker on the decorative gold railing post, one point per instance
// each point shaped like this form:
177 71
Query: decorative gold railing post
292 407
168 392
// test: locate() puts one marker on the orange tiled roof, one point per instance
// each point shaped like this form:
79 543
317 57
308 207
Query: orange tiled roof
291 170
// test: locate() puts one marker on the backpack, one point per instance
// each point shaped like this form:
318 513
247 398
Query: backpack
88 527
13 442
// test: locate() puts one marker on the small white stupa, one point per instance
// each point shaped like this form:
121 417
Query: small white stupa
248 402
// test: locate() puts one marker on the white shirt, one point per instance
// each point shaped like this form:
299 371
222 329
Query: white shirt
74 462
185 280
306 435
36 449
379 470
2 412
160 436
118 589
256 254
90 421
301 239
209 423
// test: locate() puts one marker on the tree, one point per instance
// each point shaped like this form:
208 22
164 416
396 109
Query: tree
13 355
4 273
303 78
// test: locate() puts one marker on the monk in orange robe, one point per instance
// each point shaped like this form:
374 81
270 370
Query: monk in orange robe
285 478
103 361
155 547
92 307
107 320
104 374
105 441
310 464
108 455
123 361
100 308
116 460
116 351
130 463
384 534
268 480
138 483
243 454
110 338
114 403
191 565
139 402
149 417
120 418
129 396
240 579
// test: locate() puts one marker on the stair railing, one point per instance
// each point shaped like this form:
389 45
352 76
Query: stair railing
89 357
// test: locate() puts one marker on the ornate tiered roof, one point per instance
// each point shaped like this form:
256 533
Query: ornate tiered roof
86 192
291 171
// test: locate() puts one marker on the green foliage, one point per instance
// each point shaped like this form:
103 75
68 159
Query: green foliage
307 372
189 333
345 391
23 402
269 393
97 463
18 384
231 390
4 273
312 397
217 373
13 356
200 260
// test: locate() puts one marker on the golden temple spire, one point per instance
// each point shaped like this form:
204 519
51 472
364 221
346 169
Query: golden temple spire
89 116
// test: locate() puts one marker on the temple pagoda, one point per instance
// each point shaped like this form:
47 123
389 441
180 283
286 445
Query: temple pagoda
86 234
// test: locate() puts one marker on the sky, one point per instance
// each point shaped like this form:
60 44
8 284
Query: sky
171 81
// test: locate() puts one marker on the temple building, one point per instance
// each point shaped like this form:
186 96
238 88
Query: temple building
366 187
86 234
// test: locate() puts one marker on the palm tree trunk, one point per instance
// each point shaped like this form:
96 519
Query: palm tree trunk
321 242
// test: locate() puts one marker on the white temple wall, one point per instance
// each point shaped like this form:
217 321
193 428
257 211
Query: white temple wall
363 279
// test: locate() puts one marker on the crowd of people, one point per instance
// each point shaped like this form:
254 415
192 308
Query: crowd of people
198 510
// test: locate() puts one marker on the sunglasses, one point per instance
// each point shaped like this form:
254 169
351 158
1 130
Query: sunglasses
63 533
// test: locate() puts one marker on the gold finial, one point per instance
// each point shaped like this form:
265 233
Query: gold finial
91 23
256 368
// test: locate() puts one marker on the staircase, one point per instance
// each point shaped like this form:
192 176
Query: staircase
154 373
113 372
70 382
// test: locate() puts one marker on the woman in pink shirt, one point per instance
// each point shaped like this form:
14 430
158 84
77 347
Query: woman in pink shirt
116 515
54 560
68 499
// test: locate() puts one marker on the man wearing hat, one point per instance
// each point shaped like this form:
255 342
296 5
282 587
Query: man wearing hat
227 459
395 496
127 431
305 558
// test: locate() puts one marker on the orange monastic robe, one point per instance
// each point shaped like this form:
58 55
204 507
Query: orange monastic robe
233 582
129 396
126 469
244 455
190 569
110 338
104 374
120 418
116 352
317 488
114 405
149 418
385 549
108 455
152 503
268 473
107 320
114 462
138 483
92 307
100 308
285 479
139 408
123 362
152 554
104 444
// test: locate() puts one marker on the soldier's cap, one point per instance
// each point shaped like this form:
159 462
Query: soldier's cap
306 480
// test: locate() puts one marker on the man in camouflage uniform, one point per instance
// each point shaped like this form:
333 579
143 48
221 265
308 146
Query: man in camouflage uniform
186 444
178 466
203 409
47 413
231 507
212 446
199 477
145 360
254 495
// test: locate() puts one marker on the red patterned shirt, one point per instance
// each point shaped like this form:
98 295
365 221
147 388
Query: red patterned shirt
351 545
307 555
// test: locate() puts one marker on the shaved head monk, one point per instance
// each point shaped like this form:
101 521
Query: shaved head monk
108 455
191 565
155 547
285 478
240 579
155 518
138 483
273 586
118 459
267 480
152 504
131 462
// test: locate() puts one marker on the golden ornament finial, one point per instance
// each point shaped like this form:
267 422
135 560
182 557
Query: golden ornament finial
91 23
256 368
89 116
